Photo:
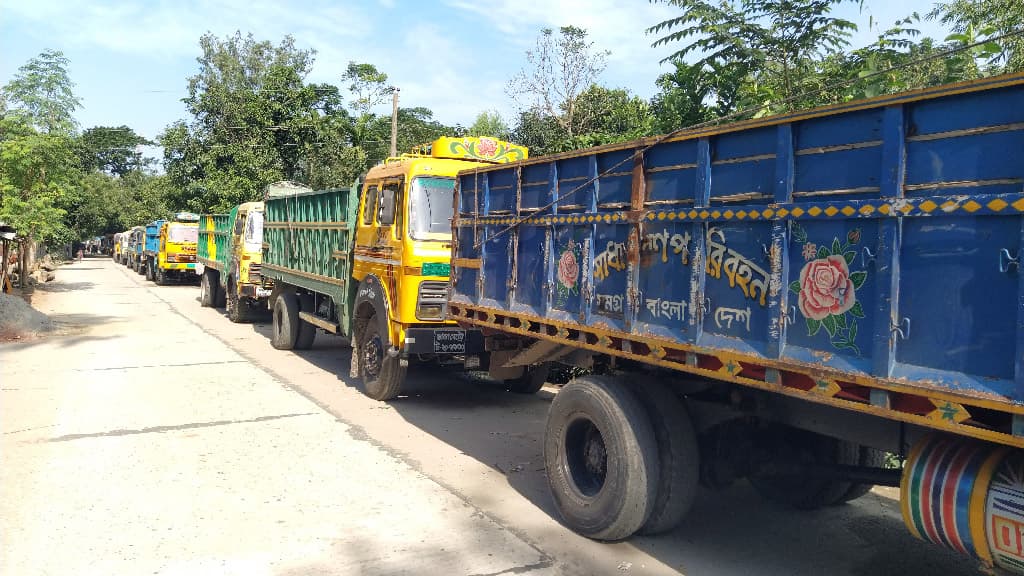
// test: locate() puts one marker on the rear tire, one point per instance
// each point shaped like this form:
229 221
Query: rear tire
307 332
678 456
207 290
149 270
531 381
382 373
869 457
602 458
285 321
806 492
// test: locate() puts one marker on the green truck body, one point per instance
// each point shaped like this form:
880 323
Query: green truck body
229 255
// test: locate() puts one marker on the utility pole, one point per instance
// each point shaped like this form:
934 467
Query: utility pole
394 121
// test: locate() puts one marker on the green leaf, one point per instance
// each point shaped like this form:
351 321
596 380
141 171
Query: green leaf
853 331
794 286
836 248
850 257
823 253
813 326
840 321
857 311
830 325
858 278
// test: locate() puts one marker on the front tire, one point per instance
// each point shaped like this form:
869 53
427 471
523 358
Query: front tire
602 458
159 276
237 309
382 373
531 381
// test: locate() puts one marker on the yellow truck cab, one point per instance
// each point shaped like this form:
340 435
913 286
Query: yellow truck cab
403 240
176 252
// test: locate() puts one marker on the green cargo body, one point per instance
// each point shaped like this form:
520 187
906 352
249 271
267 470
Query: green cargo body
307 243
214 246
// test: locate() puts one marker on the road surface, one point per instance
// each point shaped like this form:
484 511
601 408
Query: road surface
153 436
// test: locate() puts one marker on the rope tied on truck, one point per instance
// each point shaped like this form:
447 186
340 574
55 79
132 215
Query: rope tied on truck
639 153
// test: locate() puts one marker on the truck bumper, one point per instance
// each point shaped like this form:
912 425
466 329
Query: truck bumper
446 340
254 291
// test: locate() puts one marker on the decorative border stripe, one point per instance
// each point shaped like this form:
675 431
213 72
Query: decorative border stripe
372 260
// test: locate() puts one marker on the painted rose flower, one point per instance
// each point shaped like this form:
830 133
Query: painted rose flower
487 147
826 288
568 269
810 251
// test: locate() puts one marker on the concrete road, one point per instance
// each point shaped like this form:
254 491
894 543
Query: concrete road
156 437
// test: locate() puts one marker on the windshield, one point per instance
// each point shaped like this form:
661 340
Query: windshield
254 231
183 234
430 208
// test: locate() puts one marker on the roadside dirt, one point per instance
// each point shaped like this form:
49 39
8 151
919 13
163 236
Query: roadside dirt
19 321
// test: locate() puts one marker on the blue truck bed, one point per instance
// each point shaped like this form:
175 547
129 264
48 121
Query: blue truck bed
863 255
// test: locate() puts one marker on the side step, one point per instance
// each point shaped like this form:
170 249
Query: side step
319 322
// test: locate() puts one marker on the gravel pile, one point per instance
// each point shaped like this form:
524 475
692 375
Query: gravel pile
19 320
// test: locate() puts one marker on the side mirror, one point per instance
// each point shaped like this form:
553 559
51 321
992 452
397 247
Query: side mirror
386 216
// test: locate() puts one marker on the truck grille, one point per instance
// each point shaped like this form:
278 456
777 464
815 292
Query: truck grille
254 273
432 300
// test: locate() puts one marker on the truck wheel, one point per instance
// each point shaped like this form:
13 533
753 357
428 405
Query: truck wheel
382 374
868 457
601 457
307 332
159 276
149 270
801 491
531 381
140 268
237 309
219 294
678 456
206 290
286 318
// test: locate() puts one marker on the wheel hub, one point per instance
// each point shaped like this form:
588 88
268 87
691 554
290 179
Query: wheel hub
373 352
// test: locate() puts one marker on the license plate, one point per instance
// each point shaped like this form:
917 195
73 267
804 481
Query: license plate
263 292
450 341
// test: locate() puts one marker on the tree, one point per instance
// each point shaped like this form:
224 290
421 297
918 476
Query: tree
695 93
774 45
559 69
489 123
978 19
254 121
113 150
43 92
614 115
368 86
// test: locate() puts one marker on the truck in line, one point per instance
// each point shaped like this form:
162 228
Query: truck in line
371 262
785 299
136 244
230 253
169 252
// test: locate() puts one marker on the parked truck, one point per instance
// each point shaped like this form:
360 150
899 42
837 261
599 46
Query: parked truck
170 249
371 262
136 245
230 254
795 300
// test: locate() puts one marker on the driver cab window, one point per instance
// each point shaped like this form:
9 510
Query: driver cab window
369 204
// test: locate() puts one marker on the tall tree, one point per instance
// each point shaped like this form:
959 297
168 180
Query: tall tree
43 92
559 68
255 121
978 19
489 123
112 149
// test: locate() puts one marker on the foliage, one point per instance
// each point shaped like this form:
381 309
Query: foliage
112 149
693 94
255 121
972 20
489 123
43 93
368 86
559 69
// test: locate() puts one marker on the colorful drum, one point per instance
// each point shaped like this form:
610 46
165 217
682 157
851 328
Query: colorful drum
967 496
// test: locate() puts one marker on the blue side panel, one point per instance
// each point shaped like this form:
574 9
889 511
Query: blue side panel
878 243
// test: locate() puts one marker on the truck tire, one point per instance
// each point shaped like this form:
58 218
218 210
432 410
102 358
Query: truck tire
149 270
601 457
531 381
219 293
207 290
868 457
678 456
382 373
307 332
285 322
159 276
139 267
800 491
237 309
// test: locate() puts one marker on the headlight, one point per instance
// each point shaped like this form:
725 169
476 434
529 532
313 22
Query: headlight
431 301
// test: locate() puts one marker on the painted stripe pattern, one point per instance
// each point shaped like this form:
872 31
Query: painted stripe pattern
1004 514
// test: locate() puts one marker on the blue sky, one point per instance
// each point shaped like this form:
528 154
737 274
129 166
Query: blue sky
130 59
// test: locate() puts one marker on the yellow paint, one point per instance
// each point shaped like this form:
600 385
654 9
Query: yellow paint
389 251
948 411
246 254
978 503
177 250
